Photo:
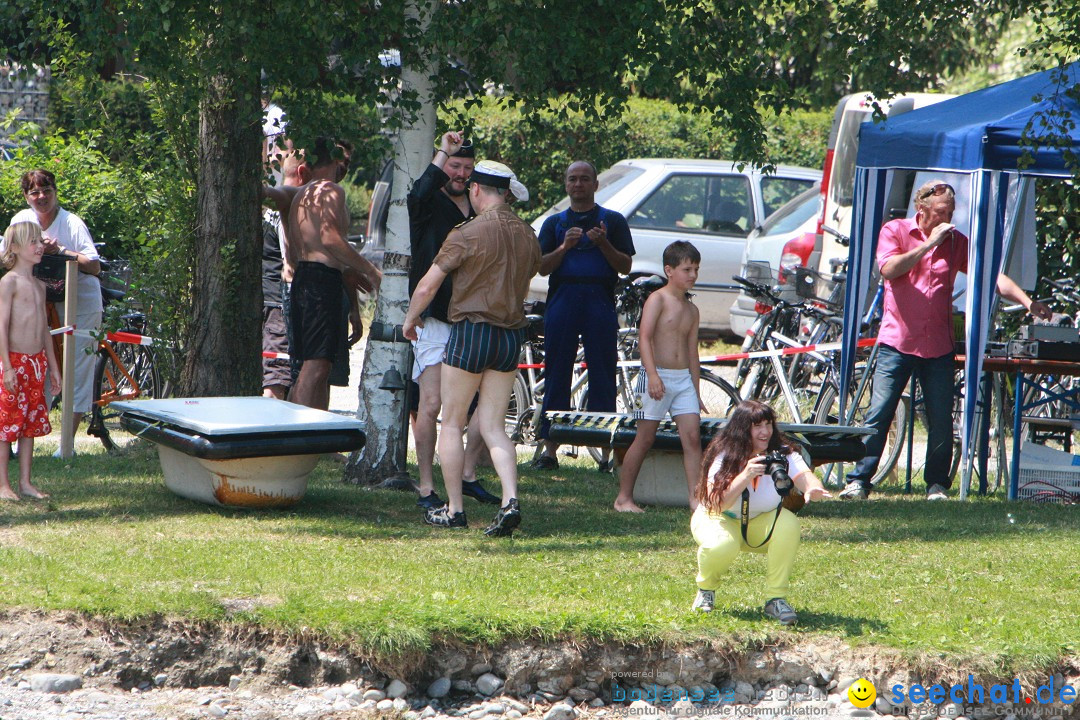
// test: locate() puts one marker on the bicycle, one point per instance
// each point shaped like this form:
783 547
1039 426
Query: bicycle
811 387
124 370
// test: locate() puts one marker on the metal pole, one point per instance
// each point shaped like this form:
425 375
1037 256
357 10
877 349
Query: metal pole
910 434
1014 473
67 385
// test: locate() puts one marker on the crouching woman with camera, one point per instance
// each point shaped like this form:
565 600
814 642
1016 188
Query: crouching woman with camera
748 469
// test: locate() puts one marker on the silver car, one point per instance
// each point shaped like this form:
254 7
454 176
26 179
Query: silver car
710 203
771 247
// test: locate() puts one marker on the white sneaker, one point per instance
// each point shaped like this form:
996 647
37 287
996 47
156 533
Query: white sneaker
704 601
937 492
854 491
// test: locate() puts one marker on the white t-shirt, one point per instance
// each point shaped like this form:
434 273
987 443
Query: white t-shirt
763 497
72 234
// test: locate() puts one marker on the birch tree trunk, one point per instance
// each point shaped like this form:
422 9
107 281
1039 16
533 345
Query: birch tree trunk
382 461
225 336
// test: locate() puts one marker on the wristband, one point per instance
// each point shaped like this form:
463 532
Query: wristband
440 150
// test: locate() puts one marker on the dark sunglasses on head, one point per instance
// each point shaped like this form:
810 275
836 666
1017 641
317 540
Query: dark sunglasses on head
939 189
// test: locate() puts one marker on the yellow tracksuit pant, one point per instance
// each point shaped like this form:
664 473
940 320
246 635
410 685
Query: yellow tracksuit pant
719 539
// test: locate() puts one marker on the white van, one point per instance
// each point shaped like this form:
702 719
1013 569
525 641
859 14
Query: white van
838 181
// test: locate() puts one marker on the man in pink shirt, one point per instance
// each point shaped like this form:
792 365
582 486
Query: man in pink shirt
918 259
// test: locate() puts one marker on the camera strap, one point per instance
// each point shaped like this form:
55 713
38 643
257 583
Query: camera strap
746 519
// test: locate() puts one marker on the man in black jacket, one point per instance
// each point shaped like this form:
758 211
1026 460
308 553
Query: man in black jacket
438 202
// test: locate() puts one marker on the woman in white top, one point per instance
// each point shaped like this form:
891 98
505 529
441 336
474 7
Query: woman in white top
734 462
66 234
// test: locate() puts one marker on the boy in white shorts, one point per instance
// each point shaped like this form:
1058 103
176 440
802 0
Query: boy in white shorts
668 382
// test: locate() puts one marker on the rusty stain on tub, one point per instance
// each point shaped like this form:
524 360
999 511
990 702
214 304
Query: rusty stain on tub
226 494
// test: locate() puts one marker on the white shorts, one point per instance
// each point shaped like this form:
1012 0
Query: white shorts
680 397
429 349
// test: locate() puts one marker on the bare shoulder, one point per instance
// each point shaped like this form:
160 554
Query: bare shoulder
326 192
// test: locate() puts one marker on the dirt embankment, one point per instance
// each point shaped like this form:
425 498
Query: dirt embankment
129 655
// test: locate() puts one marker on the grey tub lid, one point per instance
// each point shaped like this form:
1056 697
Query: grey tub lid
237 415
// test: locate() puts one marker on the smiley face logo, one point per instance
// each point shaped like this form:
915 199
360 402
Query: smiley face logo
862 693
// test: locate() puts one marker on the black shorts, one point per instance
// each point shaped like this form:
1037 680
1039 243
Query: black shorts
318 312
476 347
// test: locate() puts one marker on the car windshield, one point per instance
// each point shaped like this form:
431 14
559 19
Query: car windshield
611 181
794 213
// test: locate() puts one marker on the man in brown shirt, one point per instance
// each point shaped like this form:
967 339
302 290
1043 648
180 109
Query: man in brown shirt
491 258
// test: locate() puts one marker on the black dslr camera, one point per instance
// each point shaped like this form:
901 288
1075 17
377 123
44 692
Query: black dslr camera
776 467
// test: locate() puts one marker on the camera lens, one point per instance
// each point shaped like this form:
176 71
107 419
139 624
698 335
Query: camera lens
776 466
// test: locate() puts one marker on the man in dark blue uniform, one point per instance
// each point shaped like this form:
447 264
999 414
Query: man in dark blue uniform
585 248
438 202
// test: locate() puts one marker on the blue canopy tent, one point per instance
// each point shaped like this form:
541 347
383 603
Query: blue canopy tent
980 137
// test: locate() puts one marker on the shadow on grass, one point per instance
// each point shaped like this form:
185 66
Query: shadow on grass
815 621
561 510
898 518
122 487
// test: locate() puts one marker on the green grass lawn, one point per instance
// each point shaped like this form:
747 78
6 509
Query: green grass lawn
962 580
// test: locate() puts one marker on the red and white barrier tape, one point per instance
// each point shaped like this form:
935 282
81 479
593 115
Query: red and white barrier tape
117 337
275 355
819 347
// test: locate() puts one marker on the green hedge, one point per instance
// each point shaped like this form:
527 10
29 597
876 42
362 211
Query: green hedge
540 146
88 184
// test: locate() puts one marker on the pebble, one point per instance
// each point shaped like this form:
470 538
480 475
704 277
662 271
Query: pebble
54 683
234 682
514 714
488 684
439 689
516 705
376 695
560 711
396 689
384 705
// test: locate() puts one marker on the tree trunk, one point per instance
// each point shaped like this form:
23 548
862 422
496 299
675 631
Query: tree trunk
224 339
382 461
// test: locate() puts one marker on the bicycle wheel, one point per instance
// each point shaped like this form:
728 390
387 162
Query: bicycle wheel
777 392
519 403
1044 419
828 414
134 376
719 397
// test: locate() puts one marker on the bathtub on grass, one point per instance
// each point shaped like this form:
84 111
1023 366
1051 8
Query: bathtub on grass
248 452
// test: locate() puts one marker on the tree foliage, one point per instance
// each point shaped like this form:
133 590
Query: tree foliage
539 146
737 63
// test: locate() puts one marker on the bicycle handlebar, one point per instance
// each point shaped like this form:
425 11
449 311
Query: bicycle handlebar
841 238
